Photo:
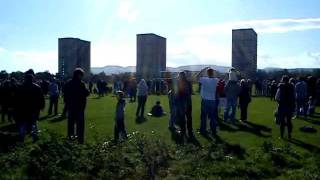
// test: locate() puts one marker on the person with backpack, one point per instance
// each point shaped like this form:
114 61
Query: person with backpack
285 97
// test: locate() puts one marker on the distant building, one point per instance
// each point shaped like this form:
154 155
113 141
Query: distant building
244 51
73 53
151 56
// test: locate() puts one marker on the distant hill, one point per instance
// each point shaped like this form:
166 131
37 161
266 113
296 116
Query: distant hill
121 69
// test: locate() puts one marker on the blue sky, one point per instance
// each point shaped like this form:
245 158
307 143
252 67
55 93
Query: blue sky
197 31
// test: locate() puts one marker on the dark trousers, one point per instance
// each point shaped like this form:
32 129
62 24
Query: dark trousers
76 119
141 103
285 120
6 111
185 120
243 111
64 112
53 104
208 110
119 128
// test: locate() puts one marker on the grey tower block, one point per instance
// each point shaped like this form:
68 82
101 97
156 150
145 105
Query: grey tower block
73 53
244 51
151 56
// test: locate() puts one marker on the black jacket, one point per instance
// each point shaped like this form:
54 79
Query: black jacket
75 95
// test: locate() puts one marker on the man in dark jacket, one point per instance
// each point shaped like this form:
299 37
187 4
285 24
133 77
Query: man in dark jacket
75 99
244 100
184 105
286 100
29 102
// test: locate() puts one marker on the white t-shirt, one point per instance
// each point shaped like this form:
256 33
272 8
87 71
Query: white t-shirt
208 88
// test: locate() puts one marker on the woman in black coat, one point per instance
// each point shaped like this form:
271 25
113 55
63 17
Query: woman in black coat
244 99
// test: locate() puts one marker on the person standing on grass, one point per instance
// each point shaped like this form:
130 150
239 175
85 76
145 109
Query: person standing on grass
29 102
301 95
7 93
273 90
208 100
172 105
232 91
142 98
184 105
75 96
54 97
286 104
244 100
221 96
119 127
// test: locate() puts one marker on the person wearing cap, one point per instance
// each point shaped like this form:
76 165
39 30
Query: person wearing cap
75 95
54 97
232 90
29 101
208 100
119 127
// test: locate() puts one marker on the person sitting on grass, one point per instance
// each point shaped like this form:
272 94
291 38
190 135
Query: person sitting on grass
119 127
157 110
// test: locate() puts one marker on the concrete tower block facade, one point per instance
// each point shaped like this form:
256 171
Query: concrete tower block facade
73 53
244 51
151 56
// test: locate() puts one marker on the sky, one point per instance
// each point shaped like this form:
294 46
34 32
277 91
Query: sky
197 31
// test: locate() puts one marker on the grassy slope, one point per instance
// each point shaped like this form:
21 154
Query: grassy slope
100 121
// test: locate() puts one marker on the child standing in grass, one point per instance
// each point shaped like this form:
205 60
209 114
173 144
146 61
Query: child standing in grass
119 127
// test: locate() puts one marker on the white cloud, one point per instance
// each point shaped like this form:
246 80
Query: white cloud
211 44
121 53
26 59
127 11
298 60
260 26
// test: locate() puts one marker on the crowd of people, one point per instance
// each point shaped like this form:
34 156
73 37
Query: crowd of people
22 101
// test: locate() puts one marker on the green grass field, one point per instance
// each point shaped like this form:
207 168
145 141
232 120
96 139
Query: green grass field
100 123
241 151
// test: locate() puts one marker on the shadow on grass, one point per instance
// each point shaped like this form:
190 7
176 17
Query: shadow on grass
180 140
249 127
304 145
8 137
228 148
140 120
57 119
312 121
44 117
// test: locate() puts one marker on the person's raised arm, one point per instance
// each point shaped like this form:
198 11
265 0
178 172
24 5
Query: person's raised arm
200 74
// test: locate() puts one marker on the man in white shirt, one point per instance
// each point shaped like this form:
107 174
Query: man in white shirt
208 100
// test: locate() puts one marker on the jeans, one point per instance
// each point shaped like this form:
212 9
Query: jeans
231 104
29 124
76 117
208 110
119 128
301 103
53 104
141 103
